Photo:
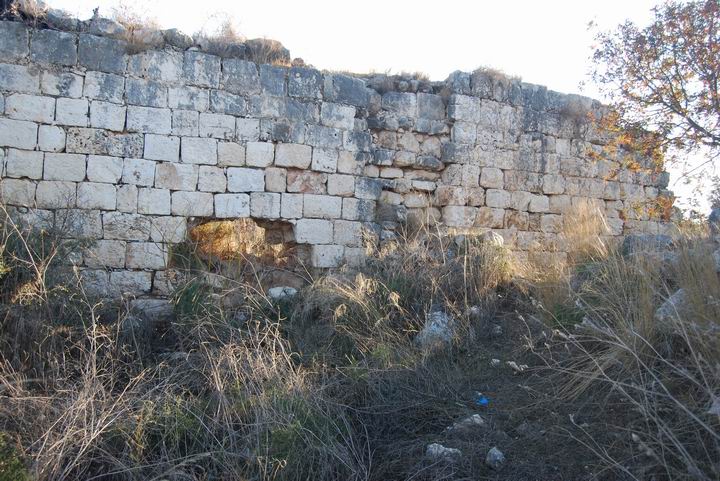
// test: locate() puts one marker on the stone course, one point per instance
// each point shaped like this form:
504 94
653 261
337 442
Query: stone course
134 148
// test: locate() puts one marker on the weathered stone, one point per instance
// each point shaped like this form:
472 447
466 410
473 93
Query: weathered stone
176 38
153 201
337 116
185 123
64 167
291 206
14 41
192 204
218 126
305 83
306 182
265 205
322 206
358 209
313 231
211 179
430 106
456 216
326 256
51 138
127 196
245 180
439 331
149 120
240 76
495 459
145 93
91 195
18 192
176 176
324 160
168 229
104 86
275 179
293 155
19 78
55 194
272 80
346 90
62 84
106 115
248 130
227 103
24 163
53 47
232 205
105 254
138 172
201 69
102 54
165 66
199 151
146 255
260 154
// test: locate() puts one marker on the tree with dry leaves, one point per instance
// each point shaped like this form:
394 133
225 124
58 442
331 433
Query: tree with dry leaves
663 78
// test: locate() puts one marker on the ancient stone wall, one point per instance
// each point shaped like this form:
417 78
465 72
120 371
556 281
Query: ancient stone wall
126 149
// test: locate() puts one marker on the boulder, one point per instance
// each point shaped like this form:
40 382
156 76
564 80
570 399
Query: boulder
105 27
468 424
495 459
178 39
281 293
438 452
493 238
439 331
673 305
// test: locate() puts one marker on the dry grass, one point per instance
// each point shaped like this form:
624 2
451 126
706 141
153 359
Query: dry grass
331 385
142 32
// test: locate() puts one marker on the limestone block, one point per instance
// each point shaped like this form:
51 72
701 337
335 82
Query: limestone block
240 76
475 196
61 84
51 138
149 120
489 217
146 93
404 104
306 182
168 229
517 220
265 205
18 133
24 163
305 83
355 256
291 206
14 39
491 178
551 223
127 196
456 216
520 200
161 147
423 185
92 195
230 154
431 146
17 192
73 112
322 206
357 141
430 106
553 184
201 69
337 116
227 103
211 179
53 47
153 201
368 189
160 65
325 137
95 281
247 130
188 98
19 78
324 160
105 253
539 203
348 233
122 226
326 256
497 198
55 195
392 198
176 176
104 86
429 162
522 180
348 90
232 205
185 123
275 179
348 164
272 80
245 180
30 107
463 107
138 172
129 282
64 167
166 282
106 115
341 185
102 53
218 126
560 204
313 231
259 154
450 195
104 169
146 255
358 209
199 151
79 223
192 204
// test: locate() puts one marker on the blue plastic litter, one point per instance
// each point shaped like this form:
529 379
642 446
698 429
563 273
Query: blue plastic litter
481 400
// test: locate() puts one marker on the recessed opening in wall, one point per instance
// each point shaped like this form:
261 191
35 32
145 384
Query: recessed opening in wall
243 248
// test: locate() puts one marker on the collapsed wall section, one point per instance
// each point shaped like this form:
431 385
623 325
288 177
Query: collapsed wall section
126 149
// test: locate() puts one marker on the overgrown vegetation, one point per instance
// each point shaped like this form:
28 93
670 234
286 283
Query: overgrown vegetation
332 384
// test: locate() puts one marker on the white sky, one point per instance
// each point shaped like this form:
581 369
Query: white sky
544 42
